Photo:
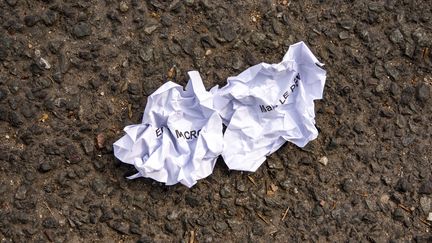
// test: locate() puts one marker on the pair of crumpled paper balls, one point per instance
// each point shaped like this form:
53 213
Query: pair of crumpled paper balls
181 134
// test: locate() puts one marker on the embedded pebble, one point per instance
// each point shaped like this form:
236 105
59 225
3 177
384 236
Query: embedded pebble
422 92
81 30
123 7
75 73
323 160
425 203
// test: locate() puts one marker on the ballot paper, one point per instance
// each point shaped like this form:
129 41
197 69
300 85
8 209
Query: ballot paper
180 136
269 104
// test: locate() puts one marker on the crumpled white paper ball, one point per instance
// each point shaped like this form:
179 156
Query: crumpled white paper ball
180 136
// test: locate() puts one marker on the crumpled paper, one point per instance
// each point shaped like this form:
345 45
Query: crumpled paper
269 104
180 136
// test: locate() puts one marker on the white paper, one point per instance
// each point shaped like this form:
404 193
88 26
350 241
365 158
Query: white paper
180 136
269 104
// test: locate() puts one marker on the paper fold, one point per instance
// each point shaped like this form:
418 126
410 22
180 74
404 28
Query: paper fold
180 136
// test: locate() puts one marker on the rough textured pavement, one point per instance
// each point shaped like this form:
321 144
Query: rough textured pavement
74 73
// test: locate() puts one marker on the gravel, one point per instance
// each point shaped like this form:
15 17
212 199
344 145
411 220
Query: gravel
75 73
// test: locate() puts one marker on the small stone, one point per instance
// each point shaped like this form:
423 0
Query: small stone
58 77
95 83
426 187
55 46
258 229
358 127
392 71
31 20
234 225
403 185
376 7
72 154
134 89
409 49
257 38
242 201
106 214
396 36
170 228
237 63
37 53
343 35
347 24
45 167
398 214
173 215
134 229
425 204
3 94
371 205
380 88
240 186
44 63
421 37
29 176
145 239
21 193
15 119
323 160
88 146
4 114
3 53
220 226
150 29
394 89
225 192
422 92
407 140
146 54
407 95
348 186
100 140
166 20
277 27
123 7
189 2
385 198
396 198
11 3
81 30
187 45
99 186
175 5
120 226
305 161
192 200
49 18
429 218
317 211
379 71
285 184
228 32
275 164
50 223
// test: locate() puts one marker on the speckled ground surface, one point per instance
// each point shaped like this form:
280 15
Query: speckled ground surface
74 73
